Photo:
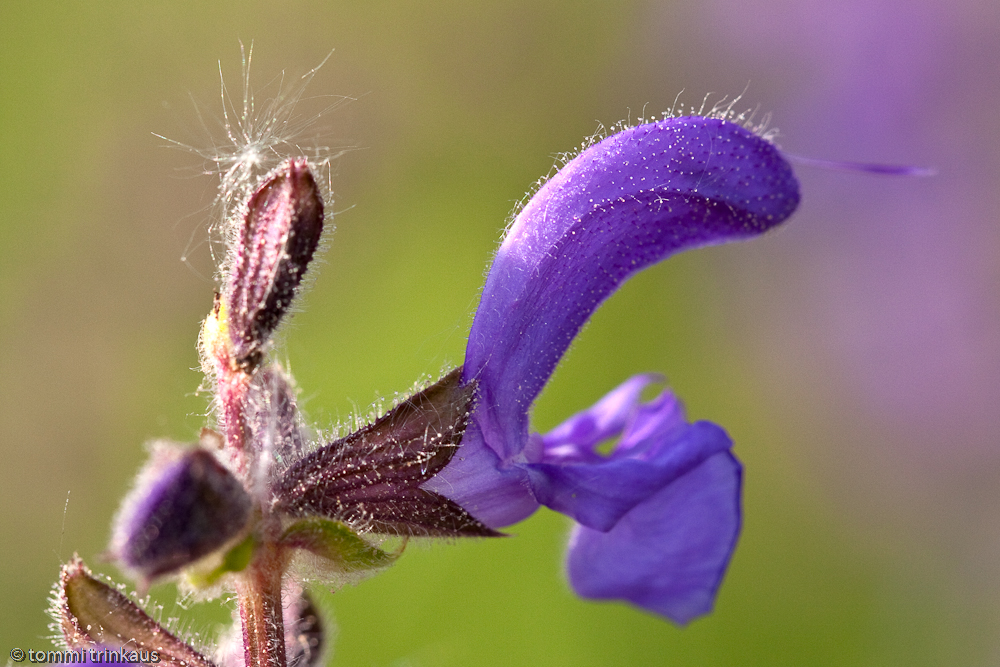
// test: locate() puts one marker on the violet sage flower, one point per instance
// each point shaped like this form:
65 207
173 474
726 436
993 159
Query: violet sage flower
657 520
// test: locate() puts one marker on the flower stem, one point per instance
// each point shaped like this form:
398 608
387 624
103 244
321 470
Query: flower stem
233 387
259 596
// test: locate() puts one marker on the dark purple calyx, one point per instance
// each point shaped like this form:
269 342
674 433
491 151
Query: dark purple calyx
371 479
185 506
280 233
91 613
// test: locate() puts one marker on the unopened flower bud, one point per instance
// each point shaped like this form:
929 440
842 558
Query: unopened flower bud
304 636
275 426
282 227
185 505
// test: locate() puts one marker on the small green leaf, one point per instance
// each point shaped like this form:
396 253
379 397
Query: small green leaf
239 556
235 560
337 543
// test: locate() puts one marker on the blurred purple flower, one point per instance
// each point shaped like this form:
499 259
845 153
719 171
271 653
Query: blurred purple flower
658 517
185 505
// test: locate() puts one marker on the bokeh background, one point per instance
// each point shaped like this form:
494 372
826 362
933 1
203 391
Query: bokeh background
854 355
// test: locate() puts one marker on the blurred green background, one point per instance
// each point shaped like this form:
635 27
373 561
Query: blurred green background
853 356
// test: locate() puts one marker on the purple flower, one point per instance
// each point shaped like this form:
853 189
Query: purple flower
657 518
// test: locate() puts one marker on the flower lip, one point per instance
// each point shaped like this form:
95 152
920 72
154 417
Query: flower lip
657 446
669 554
574 439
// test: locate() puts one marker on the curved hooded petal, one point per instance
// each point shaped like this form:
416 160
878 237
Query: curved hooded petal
623 204
669 553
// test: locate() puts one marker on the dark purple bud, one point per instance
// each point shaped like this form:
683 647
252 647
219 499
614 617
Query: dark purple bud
371 479
275 426
282 227
185 505
303 633
90 613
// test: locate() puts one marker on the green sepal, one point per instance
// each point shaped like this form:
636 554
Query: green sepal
337 543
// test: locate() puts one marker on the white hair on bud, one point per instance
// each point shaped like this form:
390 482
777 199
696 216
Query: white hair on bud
253 137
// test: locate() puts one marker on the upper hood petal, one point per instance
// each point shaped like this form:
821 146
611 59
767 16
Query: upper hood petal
625 203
